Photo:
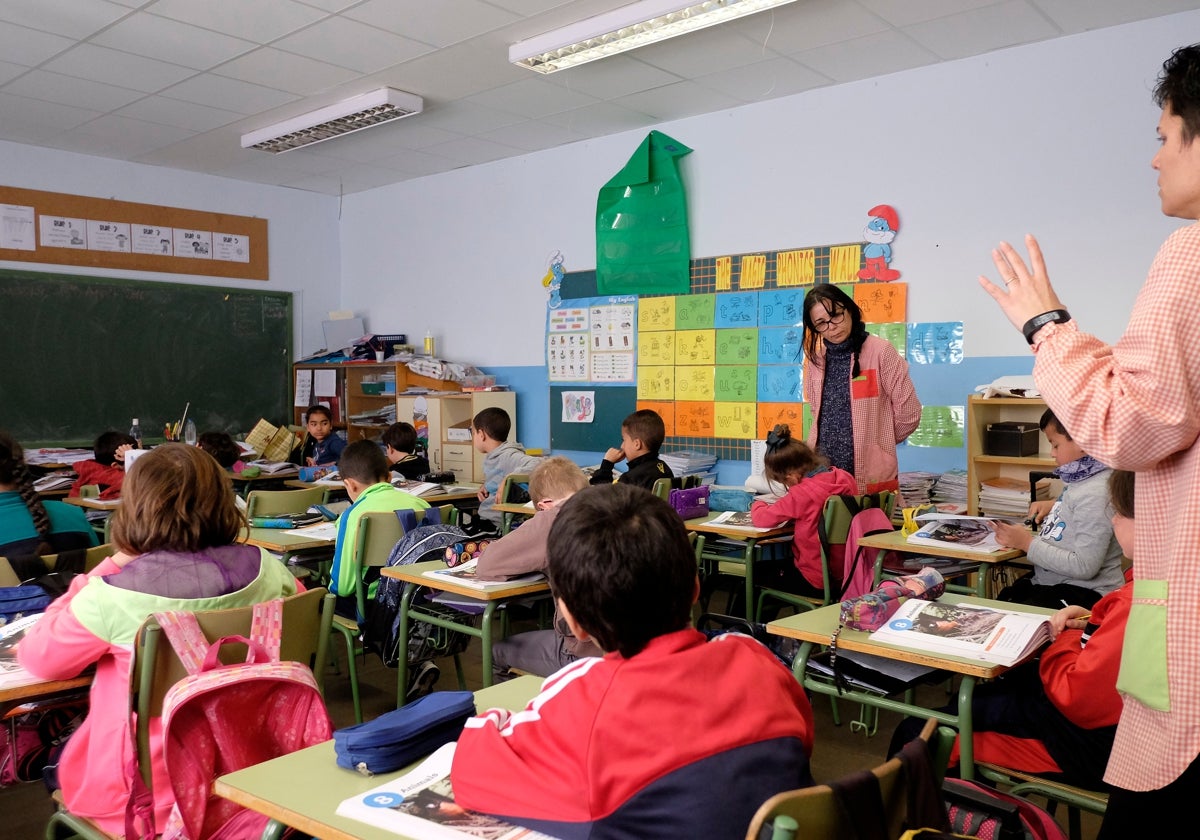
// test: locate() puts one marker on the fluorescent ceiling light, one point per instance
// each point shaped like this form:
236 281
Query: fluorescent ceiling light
627 28
345 117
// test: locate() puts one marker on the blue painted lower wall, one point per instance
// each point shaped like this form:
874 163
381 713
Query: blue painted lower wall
936 385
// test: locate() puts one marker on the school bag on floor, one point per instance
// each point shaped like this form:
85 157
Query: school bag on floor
222 718
978 810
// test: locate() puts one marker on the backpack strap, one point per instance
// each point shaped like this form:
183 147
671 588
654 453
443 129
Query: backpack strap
408 519
266 626
852 505
184 633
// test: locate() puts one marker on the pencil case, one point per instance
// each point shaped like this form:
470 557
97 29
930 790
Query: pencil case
690 503
402 736
729 498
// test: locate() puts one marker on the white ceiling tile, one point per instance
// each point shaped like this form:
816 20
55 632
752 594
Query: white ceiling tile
472 150
601 119
766 80
322 184
905 12
706 51
229 94
8 71
286 71
533 98
40 112
620 75
466 118
673 102
348 43
209 152
1081 15
417 135
863 58
456 20
532 135
101 64
811 23
72 18
330 5
453 73
176 112
69 90
132 137
417 163
21 45
367 177
261 21
172 41
982 30
20 132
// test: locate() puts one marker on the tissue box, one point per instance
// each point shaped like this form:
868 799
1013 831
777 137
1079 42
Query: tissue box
1015 439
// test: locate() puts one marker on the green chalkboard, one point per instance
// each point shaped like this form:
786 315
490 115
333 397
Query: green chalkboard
613 404
86 354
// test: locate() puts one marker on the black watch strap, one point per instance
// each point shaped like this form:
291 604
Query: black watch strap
1054 316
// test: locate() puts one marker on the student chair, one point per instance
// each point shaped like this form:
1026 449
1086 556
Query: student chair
816 812
91 559
1077 799
514 489
378 533
305 637
273 502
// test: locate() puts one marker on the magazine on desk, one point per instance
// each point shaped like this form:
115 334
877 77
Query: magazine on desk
11 672
962 533
736 519
464 574
421 805
1004 637
418 488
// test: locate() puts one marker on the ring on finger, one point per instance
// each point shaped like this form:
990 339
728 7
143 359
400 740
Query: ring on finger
1010 281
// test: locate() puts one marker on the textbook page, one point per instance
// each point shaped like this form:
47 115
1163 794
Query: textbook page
421 805
11 672
465 574
963 533
1004 637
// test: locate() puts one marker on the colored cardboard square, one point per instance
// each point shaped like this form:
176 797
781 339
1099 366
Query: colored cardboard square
894 334
655 383
780 346
736 383
882 303
695 347
665 410
694 312
737 347
844 262
772 414
694 382
935 343
656 348
779 383
694 419
656 313
940 426
781 308
735 420
736 310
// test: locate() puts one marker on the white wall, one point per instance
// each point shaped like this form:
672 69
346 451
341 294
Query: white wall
302 226
1053 138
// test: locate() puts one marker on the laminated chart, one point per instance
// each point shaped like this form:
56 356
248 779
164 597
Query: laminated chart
592 340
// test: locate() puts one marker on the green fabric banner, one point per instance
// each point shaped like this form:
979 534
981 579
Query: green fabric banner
642 244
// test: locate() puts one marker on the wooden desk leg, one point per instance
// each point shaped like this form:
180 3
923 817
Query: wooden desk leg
966 729
410 589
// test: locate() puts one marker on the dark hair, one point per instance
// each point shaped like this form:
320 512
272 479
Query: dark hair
363 461
493 422
1179 87
788 456
835 301
106 445
1049 418
1120 492
221 446
620 560
176 498
14 471
318 409
400 436
648 427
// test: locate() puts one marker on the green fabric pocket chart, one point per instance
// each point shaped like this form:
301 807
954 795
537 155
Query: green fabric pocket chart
642 242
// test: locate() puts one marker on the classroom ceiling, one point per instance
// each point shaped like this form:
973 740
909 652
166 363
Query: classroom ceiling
176 83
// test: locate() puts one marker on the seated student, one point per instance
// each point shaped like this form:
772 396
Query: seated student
810 481
176 534
523 550
642 436
1057 716
1075 557
321 444
107 468
400 447
491 427
29 525
222 447
364 471
659 737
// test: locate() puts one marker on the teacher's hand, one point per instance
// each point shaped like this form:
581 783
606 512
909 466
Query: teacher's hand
1021 293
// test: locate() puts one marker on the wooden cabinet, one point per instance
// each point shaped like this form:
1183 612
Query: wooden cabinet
368 414
336 401
435 415
981 412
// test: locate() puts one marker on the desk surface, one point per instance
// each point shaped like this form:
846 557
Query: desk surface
17 695
278 539
704 525
93 504
525 509
304 789
414 574
818 625
896 541
452 492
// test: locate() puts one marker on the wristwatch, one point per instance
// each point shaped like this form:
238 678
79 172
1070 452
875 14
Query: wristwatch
1054 316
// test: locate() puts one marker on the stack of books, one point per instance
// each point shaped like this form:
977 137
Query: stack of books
916 488
1002 496
692 463
950 488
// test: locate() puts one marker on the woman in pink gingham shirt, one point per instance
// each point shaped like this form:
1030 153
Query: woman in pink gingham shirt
1134 406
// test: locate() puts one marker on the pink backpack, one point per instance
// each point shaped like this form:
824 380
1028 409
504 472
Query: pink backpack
858 575
222 718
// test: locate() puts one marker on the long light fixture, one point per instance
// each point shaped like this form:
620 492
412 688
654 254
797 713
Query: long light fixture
626 28
345 117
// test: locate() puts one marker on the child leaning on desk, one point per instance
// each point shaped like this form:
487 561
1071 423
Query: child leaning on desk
29 525
809 481
523 550
107 468
1057 716
642 435
176 534
657 737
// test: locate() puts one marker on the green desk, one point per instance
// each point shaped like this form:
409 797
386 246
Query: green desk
750 538
303 789
413 577
814 628
895 541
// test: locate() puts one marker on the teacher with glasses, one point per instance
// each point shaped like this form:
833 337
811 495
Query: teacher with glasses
863 402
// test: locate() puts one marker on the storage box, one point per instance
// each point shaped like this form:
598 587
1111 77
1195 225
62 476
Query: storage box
1015 439
459 431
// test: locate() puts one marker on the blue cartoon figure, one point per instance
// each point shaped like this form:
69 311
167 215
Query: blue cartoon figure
879 233
553 280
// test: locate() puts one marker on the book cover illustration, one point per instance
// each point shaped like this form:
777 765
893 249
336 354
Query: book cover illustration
1004 637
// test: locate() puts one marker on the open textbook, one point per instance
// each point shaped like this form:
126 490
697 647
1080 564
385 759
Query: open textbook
1001 636
421 805
465 574
963 533
11 672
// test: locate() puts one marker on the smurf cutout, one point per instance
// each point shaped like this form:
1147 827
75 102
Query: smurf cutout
553 280
879 233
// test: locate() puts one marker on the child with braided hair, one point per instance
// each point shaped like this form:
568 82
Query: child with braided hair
27 524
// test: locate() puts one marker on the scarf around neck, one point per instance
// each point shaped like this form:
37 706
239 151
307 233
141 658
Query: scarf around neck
1079 469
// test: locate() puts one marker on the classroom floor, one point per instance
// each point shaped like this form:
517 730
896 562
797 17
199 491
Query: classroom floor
24 808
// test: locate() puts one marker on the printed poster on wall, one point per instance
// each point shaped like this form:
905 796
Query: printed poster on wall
592 340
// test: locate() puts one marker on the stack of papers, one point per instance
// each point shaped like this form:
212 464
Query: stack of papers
916 488
690 463
54 481
384 415
951 487
1002 496
56 456
273 467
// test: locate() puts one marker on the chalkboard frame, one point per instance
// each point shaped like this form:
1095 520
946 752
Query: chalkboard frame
89 353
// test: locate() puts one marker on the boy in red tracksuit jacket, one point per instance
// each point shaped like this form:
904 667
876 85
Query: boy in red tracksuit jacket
656 739
1057 717
107 468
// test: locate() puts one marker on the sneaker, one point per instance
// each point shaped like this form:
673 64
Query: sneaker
424 678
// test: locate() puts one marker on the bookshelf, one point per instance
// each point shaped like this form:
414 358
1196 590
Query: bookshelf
980 466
